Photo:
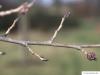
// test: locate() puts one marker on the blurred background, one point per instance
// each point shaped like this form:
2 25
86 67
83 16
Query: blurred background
39 24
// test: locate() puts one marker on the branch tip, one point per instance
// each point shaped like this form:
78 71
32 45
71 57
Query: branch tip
43 59
59 27
91 56
67 13
11 27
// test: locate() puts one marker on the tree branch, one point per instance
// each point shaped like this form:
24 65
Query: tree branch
11 27
45 43
36 54
23 9
60 26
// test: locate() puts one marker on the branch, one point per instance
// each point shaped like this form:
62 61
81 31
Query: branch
21 9
36 54
11 27
45 43
60 26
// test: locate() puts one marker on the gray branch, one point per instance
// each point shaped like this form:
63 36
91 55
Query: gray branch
45 43
60 26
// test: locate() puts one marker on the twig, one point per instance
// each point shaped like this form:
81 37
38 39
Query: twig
11 27
36 54
21 9
60 26
31 3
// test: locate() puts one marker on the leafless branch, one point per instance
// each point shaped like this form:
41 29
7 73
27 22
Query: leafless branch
11 27
45 43
23 9
36 54
60 26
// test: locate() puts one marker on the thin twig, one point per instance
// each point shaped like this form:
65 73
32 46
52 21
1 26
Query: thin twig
0 6
12 26
31 3
36 54
60 26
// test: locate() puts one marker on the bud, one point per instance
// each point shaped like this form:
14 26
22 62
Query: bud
24 8
91 56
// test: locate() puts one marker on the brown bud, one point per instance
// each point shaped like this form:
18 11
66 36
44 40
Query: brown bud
24 8
91 56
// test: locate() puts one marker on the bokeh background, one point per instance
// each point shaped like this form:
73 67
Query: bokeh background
39 24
